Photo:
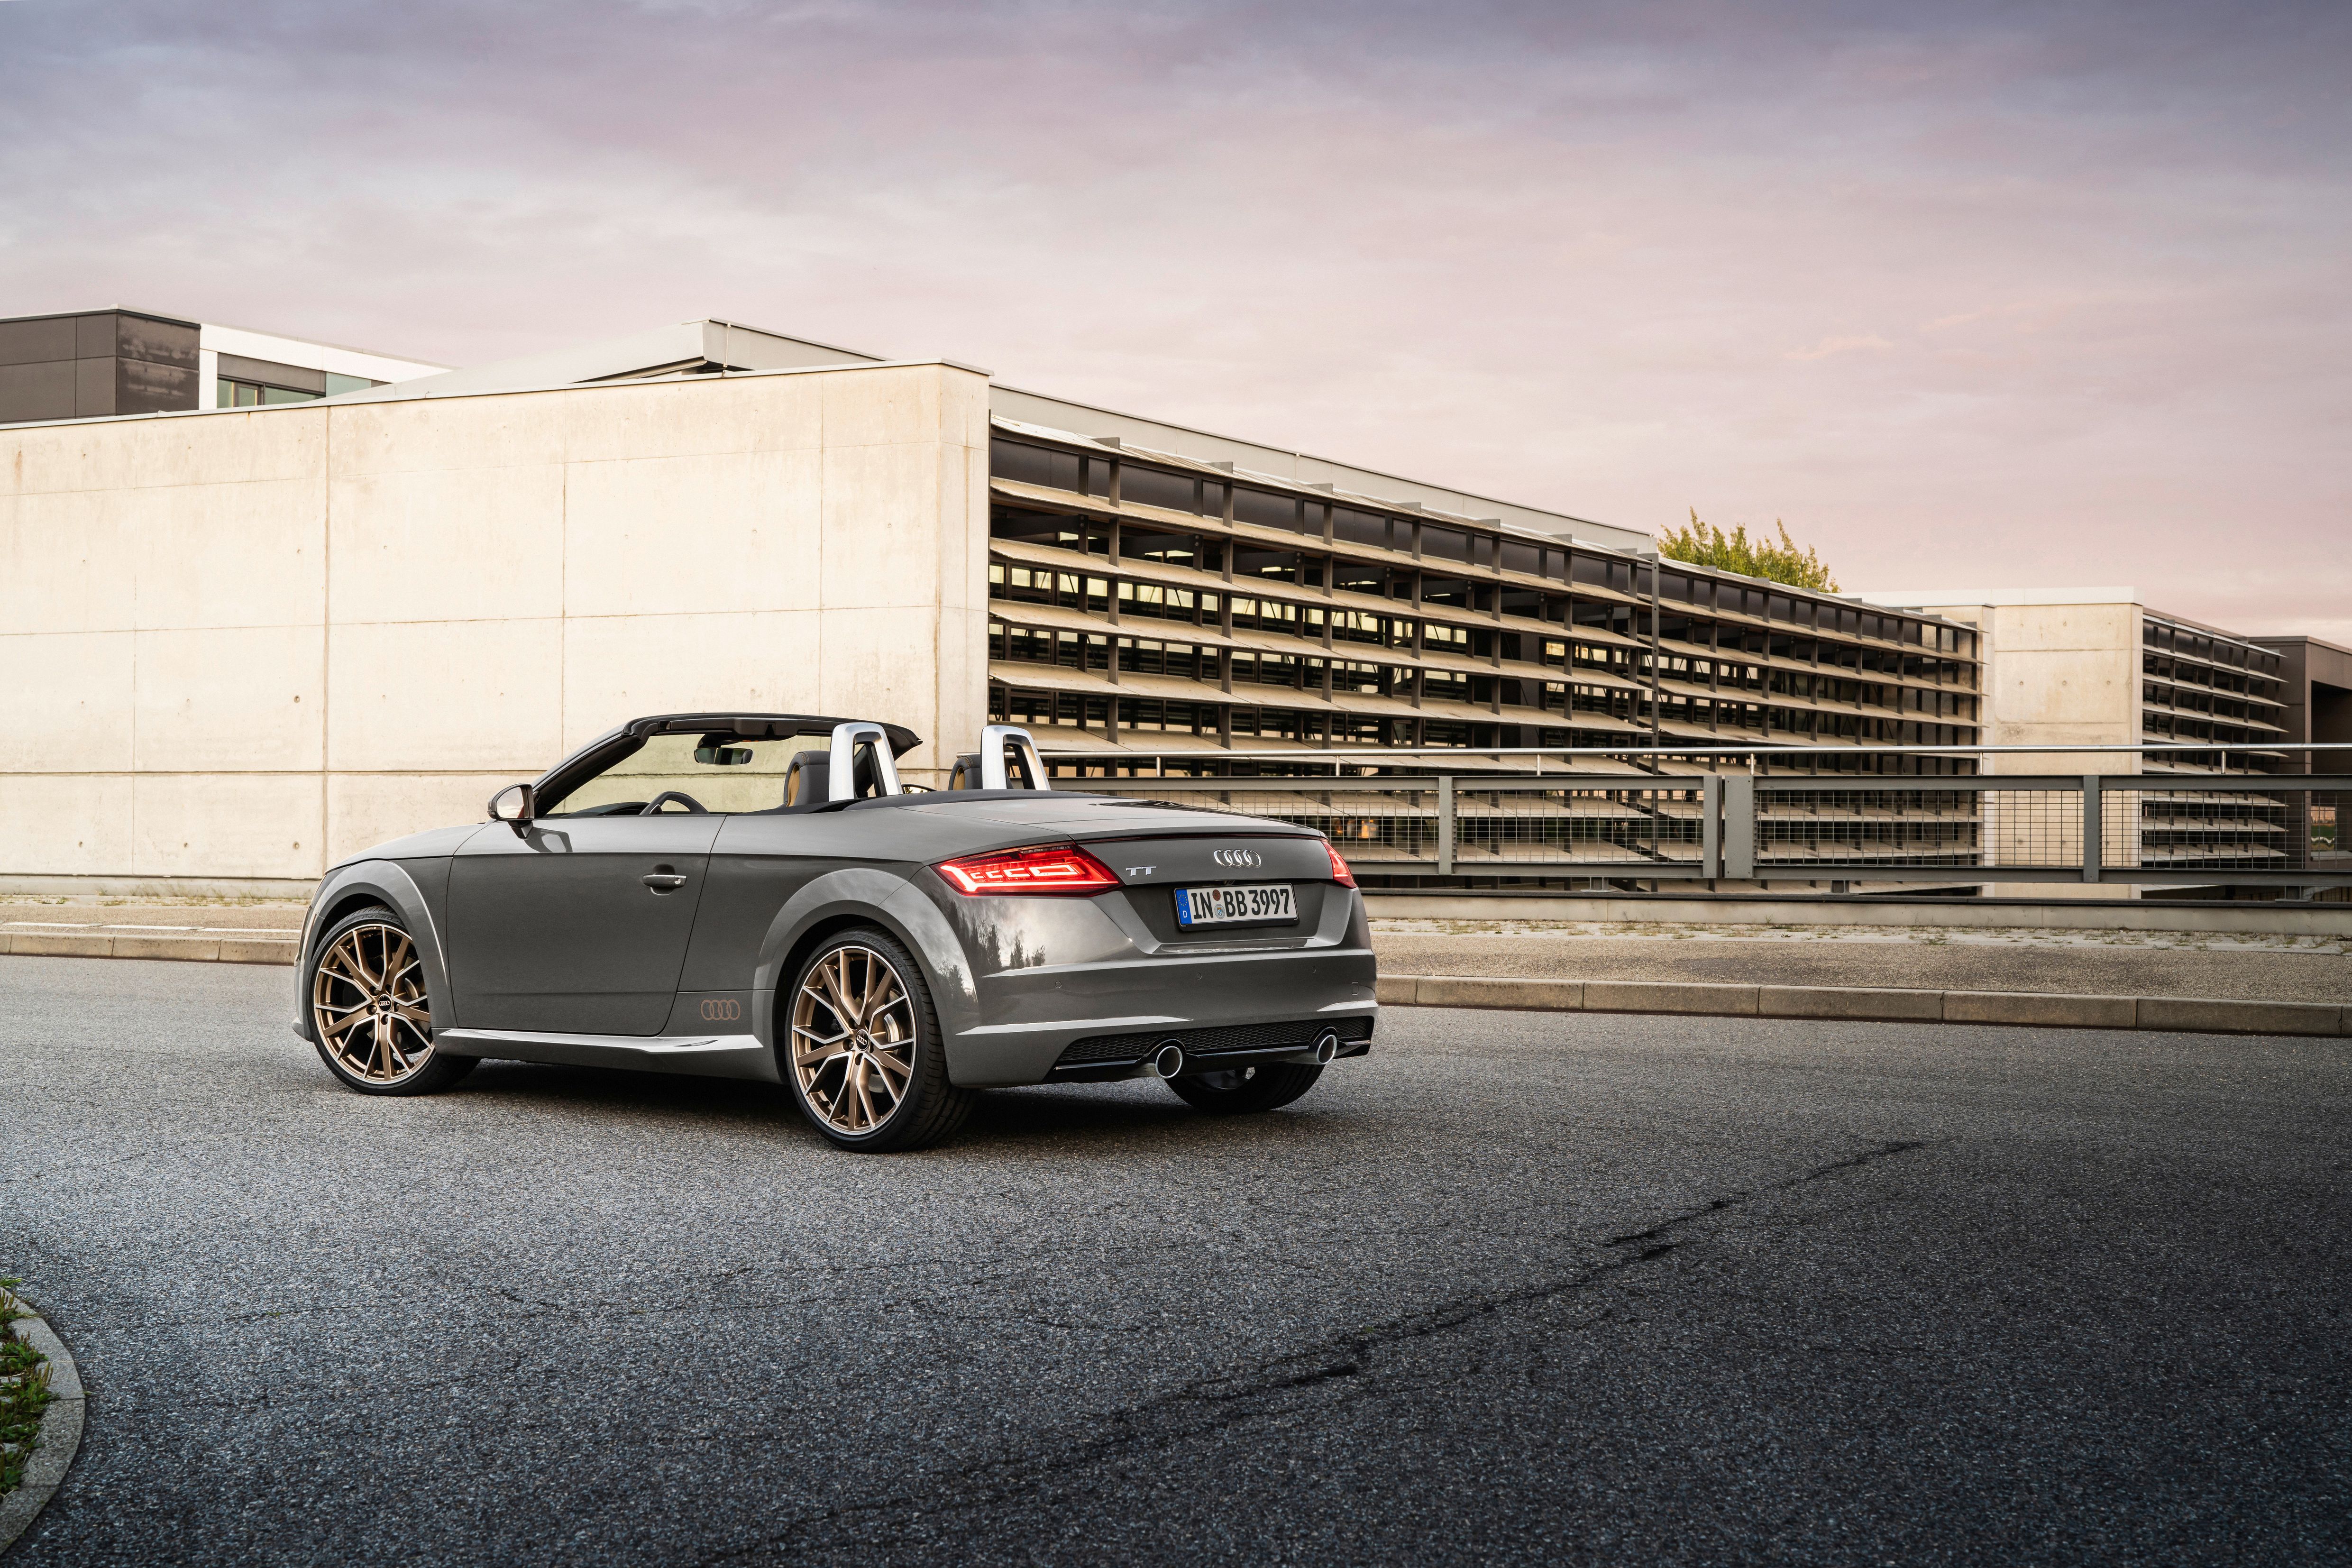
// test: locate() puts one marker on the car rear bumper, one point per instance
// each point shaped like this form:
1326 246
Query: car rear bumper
1037 1014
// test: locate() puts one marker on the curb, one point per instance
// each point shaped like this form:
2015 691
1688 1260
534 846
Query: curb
2180 1014
194 949
61 1426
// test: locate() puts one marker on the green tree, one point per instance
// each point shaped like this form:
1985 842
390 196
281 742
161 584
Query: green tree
1703 545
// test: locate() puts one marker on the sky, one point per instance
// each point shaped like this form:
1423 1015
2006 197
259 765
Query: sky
1968 295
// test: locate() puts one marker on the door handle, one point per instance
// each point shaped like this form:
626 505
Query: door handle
662 881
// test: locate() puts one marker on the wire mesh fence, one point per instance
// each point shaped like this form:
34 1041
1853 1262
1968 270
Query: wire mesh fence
1642 825
1386 824
2147 829
2176 828
1469 822
1796 828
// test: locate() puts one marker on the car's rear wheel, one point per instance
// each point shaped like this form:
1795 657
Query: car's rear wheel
861 1049
369 1015
1236 1092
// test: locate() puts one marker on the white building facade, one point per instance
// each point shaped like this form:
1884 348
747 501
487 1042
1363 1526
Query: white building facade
242 643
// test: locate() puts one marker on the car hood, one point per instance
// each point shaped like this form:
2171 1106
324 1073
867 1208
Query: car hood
422 845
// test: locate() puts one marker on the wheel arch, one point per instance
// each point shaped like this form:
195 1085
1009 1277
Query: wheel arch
347 905
863 895
359 886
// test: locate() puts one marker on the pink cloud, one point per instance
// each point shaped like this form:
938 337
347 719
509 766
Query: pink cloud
1556 255
1828 346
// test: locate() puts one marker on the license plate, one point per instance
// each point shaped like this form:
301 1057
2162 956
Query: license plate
1268 903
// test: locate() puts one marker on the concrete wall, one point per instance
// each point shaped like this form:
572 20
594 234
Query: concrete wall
241 645
2062 675
2057 674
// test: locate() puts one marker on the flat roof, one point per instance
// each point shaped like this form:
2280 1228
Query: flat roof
686 346
2275 640
1092 421
103 311
257 332
1914 598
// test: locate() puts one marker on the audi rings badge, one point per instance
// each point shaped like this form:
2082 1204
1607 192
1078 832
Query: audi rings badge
1236 858
721 1010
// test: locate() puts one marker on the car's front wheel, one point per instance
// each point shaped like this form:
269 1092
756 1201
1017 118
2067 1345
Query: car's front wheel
861 1047
369 1015
1236 1092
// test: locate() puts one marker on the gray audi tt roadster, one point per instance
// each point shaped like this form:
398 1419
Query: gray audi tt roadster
755 896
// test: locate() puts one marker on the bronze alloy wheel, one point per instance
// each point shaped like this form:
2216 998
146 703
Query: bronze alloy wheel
859 1046
852 1039
368 1004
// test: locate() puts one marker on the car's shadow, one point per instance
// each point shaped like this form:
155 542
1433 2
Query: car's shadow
1007 1120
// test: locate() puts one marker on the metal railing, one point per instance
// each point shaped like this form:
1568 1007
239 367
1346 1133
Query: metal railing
1509 820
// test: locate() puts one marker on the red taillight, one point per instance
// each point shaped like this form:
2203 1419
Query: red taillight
1340 872
1048 868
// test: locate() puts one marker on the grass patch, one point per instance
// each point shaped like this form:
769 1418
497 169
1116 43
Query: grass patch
24 1393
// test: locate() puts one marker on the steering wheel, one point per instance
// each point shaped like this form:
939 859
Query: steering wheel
653 805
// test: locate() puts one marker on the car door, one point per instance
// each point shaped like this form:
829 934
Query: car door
759 862
576 925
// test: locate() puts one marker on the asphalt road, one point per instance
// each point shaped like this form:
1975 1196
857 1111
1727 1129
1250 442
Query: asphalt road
1515 1288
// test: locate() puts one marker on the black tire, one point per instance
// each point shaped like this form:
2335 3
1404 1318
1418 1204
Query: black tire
901 1049
379 1040
1240 1091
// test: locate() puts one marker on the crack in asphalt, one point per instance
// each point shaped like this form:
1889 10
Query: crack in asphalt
1212 1404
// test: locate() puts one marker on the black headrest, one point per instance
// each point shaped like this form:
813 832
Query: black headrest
967 775
811 774
814 771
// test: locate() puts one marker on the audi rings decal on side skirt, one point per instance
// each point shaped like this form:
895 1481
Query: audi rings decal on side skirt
1236 858
720 1010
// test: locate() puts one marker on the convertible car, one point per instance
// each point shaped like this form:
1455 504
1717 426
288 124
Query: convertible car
755 896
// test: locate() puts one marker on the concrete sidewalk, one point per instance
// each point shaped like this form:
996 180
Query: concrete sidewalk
226 933
20 914
1856 1004
2248 969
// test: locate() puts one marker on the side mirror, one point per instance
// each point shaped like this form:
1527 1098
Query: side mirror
526 807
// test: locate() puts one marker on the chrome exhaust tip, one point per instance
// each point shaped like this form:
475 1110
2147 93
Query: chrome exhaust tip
1326 1046
1168 1060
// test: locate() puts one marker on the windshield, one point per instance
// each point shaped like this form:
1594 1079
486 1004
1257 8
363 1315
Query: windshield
718 772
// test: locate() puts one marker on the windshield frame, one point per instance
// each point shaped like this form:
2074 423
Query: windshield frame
615 746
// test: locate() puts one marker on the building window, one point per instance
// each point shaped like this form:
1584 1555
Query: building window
1444 543
1268 510
1150 487
1028 465
231 392
248 394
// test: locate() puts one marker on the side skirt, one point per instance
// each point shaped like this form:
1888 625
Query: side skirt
704 1055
